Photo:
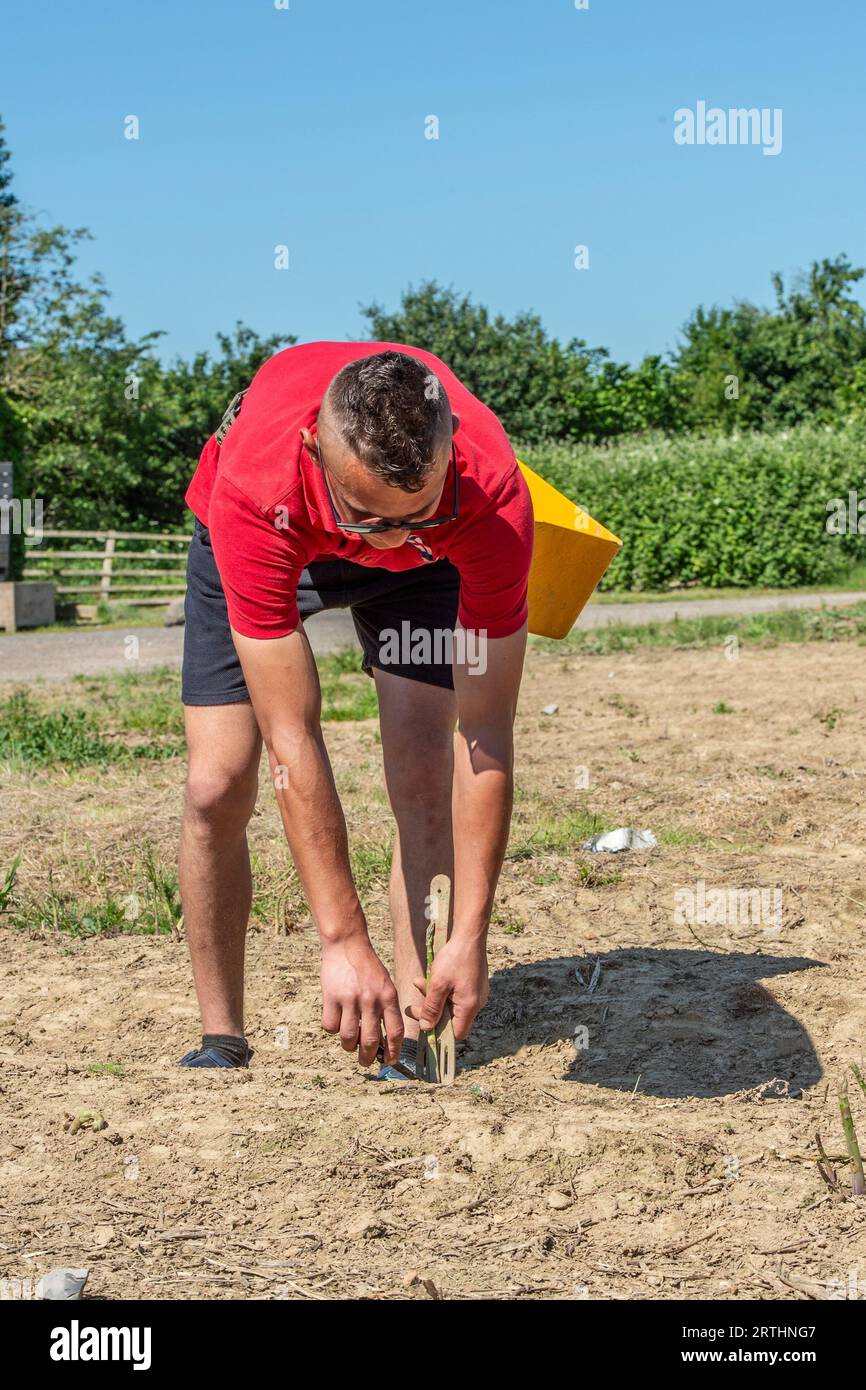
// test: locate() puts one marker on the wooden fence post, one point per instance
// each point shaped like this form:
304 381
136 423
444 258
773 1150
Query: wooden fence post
108 556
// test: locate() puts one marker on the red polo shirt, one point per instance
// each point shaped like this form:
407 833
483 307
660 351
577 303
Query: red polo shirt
263 499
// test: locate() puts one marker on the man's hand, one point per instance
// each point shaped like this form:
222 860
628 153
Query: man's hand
358 999
458 974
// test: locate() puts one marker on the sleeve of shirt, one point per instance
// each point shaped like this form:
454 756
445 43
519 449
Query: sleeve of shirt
260 561
493 556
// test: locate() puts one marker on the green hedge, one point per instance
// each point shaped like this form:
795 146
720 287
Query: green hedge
718 511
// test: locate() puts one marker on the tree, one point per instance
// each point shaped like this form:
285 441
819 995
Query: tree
106 435
536 386
540 388
761 368
13 275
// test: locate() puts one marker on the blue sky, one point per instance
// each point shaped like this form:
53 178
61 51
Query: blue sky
306 127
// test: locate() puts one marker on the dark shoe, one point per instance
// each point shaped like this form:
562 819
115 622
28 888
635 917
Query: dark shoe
215 1056
402 1070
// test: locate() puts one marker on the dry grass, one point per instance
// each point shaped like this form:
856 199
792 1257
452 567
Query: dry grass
713 1055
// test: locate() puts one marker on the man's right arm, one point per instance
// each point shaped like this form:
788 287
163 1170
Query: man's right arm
259 564
359 999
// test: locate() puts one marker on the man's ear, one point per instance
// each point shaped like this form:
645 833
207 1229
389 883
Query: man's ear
308 439
455 423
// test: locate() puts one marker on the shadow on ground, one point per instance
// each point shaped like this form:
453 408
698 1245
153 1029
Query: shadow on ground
687 1023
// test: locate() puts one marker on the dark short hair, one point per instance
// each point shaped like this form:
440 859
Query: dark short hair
391 411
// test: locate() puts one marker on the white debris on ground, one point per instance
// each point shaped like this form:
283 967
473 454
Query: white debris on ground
624 838
63 1285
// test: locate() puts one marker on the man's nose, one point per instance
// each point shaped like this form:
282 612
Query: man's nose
389 540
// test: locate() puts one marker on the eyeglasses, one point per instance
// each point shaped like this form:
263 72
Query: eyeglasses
365 528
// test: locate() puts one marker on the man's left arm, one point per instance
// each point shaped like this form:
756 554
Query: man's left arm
486 689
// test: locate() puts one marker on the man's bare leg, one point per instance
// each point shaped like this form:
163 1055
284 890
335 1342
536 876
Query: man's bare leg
215 880
417 727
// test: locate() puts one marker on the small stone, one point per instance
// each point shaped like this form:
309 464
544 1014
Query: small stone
410 1278
558 1201
550 709
365 1227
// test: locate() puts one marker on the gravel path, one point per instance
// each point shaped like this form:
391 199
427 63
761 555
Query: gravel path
599 614
27 656
54 656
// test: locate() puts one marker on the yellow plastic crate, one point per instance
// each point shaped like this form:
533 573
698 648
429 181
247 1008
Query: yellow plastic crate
572 552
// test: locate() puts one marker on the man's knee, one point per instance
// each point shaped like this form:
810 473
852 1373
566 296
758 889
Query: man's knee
220 800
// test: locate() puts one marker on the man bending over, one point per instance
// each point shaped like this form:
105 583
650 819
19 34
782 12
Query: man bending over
366 476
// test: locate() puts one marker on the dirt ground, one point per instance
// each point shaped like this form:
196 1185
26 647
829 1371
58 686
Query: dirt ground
669 1155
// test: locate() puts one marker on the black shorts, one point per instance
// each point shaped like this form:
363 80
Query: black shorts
378 599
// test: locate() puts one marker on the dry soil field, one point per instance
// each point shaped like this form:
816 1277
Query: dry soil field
672 1156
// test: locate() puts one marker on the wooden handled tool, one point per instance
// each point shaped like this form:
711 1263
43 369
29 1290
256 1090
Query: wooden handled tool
437 1050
